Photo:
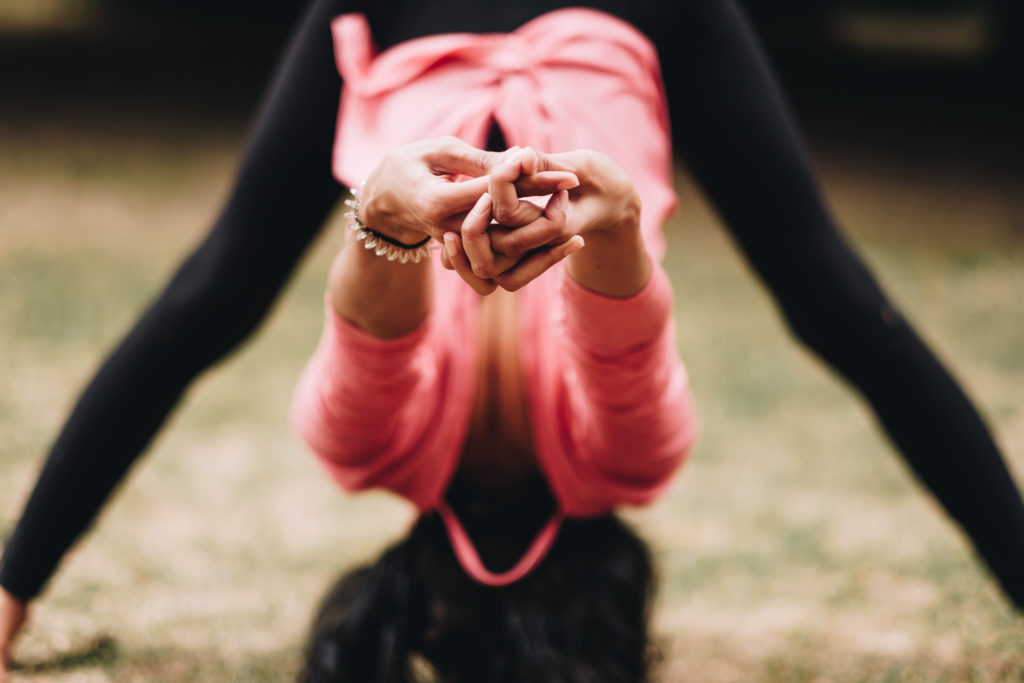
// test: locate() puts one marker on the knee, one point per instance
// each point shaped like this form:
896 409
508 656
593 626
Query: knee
844 324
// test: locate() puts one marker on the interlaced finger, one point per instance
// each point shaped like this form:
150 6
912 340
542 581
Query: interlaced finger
545 182
504 198
450 198
476 241
537 263
534 161
452 156
458 261
549 227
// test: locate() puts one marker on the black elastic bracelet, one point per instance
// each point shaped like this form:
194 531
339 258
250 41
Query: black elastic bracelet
392 240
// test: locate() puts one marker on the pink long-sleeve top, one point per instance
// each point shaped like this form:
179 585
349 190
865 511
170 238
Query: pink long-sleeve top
608 399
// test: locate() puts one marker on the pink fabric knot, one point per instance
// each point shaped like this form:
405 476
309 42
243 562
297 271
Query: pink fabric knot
570 79
512 57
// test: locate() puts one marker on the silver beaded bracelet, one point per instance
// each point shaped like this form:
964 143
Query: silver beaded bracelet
382 245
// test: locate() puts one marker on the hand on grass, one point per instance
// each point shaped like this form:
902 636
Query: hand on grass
13 613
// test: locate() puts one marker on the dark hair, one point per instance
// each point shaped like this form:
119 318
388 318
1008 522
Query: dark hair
580 617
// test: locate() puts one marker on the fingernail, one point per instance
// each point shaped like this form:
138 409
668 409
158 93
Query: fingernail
568 183
449 244
534 153
574 244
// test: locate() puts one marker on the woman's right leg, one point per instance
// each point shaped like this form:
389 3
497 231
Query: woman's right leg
282 194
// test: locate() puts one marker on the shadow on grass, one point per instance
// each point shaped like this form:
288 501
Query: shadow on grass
162 663
101 651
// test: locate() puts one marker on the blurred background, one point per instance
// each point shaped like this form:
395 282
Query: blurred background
794 547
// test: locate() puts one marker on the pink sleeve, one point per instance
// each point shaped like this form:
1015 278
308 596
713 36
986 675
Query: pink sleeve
364 405
632 414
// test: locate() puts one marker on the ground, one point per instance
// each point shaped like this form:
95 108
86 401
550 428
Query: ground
794 546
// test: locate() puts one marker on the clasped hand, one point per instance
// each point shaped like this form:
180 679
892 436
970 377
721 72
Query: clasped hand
471 201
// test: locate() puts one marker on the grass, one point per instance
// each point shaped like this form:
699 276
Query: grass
794 546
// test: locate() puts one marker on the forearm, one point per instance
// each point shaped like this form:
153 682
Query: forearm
627 413
385 298
631 379
359 402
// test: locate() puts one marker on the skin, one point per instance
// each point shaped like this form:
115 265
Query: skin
13 614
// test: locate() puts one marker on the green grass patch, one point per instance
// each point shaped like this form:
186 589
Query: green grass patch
793 547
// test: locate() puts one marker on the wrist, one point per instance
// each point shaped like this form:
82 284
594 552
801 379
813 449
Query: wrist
375 212
399 237
621 220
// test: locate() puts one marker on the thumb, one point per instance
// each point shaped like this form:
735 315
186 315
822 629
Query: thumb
455 156
557 208
535 161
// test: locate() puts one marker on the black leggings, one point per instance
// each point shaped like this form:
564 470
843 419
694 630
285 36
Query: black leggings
730 123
